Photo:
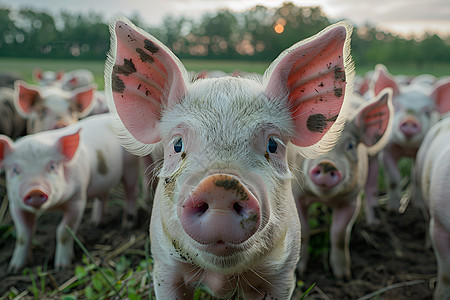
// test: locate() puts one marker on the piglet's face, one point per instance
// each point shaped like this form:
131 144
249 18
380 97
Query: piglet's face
50 107
35 171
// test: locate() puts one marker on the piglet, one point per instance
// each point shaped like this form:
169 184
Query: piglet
338 177
416 109
59 170
432 170
223 212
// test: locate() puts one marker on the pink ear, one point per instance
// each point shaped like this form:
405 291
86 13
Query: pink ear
441 95
145 77
374 118
383 80
6 146
59 75
84 99
25 97
314 75
37 74
68 145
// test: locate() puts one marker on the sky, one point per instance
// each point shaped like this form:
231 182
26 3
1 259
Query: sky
403 17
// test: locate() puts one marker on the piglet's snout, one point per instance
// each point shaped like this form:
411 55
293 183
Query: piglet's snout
35 198
220 210
325 175
410 127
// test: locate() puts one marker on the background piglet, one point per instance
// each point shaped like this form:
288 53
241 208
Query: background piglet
416 109
338 177
50 107
59 170
432 167
67 81
223 213
12 123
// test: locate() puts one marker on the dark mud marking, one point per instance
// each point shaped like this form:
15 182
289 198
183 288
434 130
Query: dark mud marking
327 168
339 74
150 46
117 84
318 122
233 184
144 56
126 69
183 155
249 222
338 92
102 167
321 84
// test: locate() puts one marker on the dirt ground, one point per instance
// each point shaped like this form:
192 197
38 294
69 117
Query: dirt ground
390 259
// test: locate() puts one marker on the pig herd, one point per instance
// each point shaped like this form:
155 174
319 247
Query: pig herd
243 158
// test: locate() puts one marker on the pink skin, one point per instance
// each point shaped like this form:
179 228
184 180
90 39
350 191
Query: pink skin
50 107
220 211
433 174
416 111
325 175
337 179
61 169
241 238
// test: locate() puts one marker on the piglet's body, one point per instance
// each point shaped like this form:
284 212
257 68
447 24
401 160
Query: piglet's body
337 178
432 167
59 170
223 213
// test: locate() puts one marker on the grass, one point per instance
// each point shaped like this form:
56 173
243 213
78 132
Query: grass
25 67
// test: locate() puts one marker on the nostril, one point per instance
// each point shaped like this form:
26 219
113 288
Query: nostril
238 208
201 208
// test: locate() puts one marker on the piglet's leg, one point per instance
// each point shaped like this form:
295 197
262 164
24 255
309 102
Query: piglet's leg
130 180
24 224
393 178
99 209
72 215
371 191
341 227
441 245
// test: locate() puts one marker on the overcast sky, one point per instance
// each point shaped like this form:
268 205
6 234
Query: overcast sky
399 16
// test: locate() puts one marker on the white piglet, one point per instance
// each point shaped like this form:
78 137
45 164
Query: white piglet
433 173
59 170
223 213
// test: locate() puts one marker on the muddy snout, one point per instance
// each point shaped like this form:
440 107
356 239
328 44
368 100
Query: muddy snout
220 209
325 175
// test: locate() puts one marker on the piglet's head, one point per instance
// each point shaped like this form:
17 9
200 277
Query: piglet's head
35 169
312 78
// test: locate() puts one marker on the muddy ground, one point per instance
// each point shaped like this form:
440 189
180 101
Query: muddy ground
390 260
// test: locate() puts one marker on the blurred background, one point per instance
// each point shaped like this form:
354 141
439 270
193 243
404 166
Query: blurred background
410 37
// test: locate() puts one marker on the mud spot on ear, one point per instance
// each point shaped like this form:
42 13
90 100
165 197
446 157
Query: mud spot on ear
316 123
338 92
144 56
102 167
126 69
150 46
117 84
339 74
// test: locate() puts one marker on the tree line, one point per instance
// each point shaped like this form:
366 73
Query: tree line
259 33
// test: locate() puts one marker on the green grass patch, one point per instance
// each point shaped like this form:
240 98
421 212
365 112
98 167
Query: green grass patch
25 67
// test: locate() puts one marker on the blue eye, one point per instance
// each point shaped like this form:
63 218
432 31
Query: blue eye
351 145
272 145
178 145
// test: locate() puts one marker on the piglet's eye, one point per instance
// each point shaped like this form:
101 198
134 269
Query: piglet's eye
272 145
178 145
